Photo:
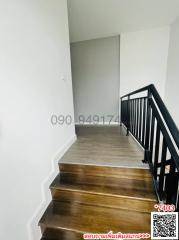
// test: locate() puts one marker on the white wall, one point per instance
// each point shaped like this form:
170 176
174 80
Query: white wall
95 71
143 59
172 83
34 56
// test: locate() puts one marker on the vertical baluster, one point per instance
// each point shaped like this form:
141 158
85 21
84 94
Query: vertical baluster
131 129
121 113
144 122
130 107
139 112
133 120
140 119
128 115
137 120
125 112
152 137
162 170
135 117
148 122
157 142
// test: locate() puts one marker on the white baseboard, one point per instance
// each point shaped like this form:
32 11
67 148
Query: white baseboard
32 226
133 138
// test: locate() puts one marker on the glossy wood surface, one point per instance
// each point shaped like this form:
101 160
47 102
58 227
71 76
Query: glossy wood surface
92 170
86 218
91 198
100 185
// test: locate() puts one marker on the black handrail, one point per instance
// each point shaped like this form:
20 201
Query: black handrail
166 115
149 121
164 111
137 91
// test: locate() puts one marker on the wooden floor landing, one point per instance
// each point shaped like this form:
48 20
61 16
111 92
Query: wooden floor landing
105 146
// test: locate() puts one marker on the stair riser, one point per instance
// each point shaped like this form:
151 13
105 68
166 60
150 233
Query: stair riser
105 171
103 200
69 178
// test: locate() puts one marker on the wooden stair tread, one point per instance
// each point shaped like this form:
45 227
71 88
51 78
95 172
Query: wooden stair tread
82 218
134 173
133 189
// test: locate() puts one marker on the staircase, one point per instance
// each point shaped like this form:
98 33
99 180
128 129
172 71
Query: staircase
89 197
97 199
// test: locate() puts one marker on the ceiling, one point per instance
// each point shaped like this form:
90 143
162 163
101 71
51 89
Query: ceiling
90 19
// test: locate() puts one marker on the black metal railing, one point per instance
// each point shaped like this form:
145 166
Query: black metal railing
148 120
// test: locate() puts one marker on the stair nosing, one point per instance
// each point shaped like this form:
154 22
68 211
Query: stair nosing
102 193
62 228
105 166
137 177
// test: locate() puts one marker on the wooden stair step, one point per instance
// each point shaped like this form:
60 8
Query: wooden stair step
116 197
127 183
124 187
82 218
115 172
60 234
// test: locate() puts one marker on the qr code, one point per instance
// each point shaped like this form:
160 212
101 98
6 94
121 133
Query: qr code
164 225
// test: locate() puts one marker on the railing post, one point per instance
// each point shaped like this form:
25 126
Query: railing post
121 113
148 120
128 116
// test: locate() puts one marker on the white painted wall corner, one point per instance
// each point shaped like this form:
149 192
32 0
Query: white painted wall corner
32 226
